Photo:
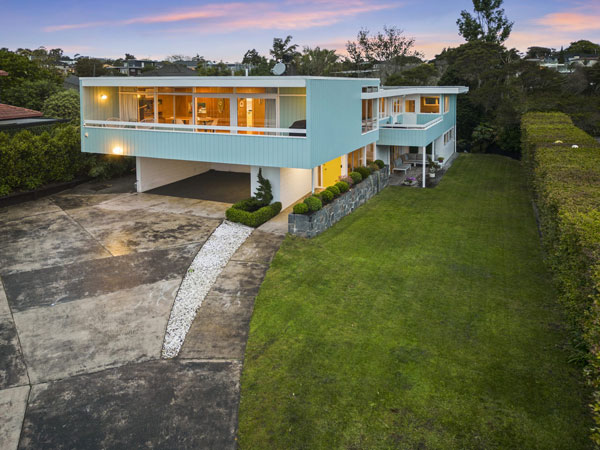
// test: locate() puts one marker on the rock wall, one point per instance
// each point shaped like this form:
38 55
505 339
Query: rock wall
319 221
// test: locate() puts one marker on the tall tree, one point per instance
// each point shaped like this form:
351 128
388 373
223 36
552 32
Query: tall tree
283 50
258 63
583 47
389 50
129 56
317 61
489 23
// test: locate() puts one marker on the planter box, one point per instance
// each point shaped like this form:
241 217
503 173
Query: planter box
319 221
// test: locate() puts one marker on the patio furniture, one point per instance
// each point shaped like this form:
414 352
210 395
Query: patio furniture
400 165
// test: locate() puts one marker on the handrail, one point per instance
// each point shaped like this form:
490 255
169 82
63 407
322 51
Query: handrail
191 128
423 126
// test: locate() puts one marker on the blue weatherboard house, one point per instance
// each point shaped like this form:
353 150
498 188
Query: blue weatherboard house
304 132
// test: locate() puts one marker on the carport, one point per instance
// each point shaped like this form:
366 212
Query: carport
213 185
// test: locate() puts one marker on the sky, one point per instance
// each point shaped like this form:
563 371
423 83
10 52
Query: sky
225 30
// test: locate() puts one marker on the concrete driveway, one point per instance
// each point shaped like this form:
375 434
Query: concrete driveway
89 277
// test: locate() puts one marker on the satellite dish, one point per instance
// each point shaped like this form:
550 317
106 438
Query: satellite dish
278 69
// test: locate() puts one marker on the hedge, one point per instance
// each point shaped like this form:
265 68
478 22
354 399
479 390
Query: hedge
29 160
565 182
253 218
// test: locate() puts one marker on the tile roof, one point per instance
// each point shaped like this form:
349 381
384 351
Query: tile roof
8 112
3 73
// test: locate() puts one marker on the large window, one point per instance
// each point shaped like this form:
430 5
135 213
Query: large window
256 113
410 106
369 121
430 105
446 103
397 106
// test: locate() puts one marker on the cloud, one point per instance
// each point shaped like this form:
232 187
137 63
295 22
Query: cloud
570 21
289 15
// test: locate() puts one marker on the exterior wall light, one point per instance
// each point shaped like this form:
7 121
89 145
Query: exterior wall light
103 97
117 150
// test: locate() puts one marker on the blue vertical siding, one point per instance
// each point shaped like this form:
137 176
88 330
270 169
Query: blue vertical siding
334 109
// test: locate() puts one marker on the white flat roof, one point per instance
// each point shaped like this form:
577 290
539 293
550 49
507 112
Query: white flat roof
283 81
411 90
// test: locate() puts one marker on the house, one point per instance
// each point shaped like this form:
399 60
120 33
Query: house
133 67
171 70
15 117
304 132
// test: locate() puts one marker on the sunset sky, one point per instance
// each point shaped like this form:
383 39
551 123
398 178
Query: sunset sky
225 30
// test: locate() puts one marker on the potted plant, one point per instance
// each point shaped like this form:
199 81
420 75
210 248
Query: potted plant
410 181
440 159
433 166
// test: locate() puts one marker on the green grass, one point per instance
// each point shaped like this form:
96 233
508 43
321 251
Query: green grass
425 319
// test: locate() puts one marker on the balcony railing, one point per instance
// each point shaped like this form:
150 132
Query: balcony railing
292 133
414 126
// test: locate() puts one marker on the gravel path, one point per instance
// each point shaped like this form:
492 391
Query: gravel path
204 270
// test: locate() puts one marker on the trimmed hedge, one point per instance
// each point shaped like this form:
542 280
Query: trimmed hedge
314 203
252 218
356 177
300 208
566 186
379 163
342 186
28 160
334 190
364 172
325 196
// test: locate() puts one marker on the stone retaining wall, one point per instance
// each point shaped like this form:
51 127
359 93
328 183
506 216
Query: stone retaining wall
317 222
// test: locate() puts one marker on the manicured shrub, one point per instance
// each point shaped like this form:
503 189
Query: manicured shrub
334 190
300 208
373 167
348 180
255 218
63 105
566 189
314 203
380 163
326 196
342 186
356 177
249 204
364 172
263 192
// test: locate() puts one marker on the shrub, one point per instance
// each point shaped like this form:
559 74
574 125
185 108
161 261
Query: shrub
326 196
380 163
300 208
334 190
254 218
342 186
356 177
314 203
249 204
566 188
263 192
364 172
348 180
373 167
63 105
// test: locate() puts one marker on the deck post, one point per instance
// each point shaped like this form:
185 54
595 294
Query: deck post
424 161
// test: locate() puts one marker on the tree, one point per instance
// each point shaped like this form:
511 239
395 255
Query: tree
30 93
263 192
129 56
489 23
63 105
389 50
317 61
583 47
259 65
89 67
283 50
539 52
421 75
215 70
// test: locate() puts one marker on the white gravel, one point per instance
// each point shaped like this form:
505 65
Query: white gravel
201 275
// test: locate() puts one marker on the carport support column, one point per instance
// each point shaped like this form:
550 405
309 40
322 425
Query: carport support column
424 161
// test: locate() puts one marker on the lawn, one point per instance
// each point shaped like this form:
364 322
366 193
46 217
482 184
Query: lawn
425 319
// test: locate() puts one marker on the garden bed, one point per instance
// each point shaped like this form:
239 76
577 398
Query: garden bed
313 224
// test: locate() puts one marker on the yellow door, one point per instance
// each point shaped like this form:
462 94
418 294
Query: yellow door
332 171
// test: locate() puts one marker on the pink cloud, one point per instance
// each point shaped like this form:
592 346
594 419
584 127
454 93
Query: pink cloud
295 15
567 21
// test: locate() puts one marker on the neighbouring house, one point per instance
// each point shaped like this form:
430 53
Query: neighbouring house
14 117
171 70
303 132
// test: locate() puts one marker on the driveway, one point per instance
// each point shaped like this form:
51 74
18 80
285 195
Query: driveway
89 277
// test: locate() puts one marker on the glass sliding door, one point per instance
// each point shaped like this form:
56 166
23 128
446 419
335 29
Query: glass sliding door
213 111
256 112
